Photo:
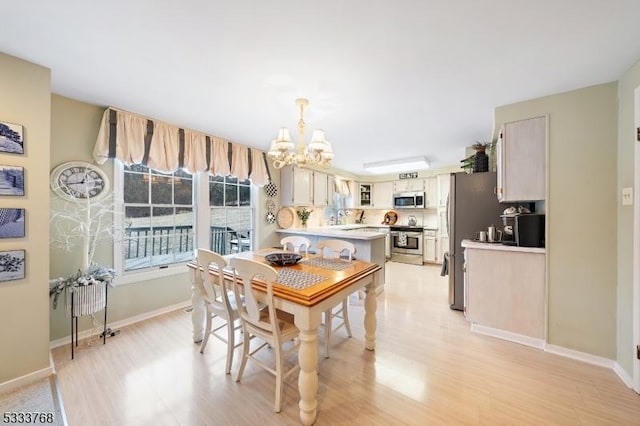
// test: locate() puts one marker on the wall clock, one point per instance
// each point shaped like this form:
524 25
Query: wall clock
79 180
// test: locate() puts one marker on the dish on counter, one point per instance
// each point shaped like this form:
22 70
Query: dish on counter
283 258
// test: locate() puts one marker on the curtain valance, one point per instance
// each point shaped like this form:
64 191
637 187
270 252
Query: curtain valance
133 139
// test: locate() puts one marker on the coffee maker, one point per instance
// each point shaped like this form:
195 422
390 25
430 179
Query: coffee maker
509 222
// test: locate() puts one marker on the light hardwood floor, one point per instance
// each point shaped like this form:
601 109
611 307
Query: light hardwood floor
428 368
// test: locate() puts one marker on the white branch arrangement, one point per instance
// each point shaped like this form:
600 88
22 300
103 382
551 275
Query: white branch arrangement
83 223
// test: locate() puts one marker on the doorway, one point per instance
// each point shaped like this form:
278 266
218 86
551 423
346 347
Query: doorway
636 241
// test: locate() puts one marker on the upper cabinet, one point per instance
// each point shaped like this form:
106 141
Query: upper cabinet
296 186
364 194
431 192
444 181
408 185
382 195
520 157
321 189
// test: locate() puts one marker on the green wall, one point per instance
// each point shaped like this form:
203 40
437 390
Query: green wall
24 317
581 214
626 137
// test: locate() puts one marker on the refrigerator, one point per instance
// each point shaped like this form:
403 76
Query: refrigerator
472 206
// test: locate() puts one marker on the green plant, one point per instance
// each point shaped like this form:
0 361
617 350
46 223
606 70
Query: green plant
304 214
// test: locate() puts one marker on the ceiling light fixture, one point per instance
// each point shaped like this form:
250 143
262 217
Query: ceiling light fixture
401 165
318 152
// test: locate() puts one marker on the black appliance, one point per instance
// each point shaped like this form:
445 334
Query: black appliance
472 207
528 230
406 244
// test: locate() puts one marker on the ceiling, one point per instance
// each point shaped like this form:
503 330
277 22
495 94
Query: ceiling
385 79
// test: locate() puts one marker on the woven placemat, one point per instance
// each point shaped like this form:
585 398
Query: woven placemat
298 279
333 264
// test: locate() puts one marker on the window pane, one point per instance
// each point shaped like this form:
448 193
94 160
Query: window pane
137 188
137 242
216 194
161 189
216 178
231 195
245 195
246 182
231 179
183 235
162 222
136 168
183 190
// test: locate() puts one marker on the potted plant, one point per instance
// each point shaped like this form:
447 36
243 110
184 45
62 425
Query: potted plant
480 159
304 216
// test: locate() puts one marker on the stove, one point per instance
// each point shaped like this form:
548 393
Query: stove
406 244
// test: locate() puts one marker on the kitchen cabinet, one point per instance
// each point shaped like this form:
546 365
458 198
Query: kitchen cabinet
443 235
408 185
520 158
431 192
382 195
296 186
331 190
364 194
429 251
444 181
320 189
505 289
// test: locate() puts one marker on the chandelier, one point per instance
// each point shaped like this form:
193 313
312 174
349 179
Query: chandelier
318 152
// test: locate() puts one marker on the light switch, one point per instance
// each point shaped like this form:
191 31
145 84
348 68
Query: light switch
627 196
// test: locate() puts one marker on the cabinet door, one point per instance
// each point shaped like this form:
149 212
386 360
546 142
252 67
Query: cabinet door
331 190
302 187
320 189
364 193
521 165
444 181
429 249
431 191
382 194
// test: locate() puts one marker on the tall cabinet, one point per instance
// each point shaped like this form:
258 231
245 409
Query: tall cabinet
521 160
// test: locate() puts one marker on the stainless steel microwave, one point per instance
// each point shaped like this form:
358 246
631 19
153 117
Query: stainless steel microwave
408 200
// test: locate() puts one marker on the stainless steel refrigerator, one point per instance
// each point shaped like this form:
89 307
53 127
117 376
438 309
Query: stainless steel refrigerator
472 207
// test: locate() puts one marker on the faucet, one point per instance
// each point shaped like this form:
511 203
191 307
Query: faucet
341 214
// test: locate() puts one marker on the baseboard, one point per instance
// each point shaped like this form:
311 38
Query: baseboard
581 356
507 335
122 323
27 379
624 376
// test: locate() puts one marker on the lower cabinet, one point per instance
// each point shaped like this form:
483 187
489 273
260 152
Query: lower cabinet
429 250
505 289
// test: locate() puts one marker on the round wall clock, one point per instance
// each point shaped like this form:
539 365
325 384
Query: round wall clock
79 180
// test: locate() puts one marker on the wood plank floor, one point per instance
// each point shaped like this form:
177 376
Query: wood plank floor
428 368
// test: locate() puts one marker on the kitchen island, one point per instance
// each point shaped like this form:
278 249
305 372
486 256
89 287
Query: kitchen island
505 291
369 243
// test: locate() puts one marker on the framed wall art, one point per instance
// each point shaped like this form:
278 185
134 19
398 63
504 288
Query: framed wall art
11 223
11 139
11 180
12 265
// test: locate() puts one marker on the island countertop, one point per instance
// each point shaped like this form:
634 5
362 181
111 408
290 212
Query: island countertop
501 247
347 232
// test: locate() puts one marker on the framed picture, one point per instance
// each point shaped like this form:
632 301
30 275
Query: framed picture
12 265
11 138
11 180
11 223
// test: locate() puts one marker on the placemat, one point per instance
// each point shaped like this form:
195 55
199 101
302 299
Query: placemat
333 264
298 279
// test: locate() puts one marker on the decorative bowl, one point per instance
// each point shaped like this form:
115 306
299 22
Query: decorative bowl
283 258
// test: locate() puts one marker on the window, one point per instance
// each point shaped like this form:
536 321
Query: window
231 214
158 218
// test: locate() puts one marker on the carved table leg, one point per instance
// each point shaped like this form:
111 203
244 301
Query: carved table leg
308 376
370 306
197 312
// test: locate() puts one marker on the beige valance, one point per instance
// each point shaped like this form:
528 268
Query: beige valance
134 139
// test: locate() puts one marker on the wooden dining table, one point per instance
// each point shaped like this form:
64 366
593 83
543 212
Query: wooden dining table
306 303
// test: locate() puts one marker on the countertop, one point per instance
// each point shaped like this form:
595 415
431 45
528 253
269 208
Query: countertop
500 247
351 232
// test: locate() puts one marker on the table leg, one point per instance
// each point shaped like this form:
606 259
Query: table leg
197 312
308 376
370 324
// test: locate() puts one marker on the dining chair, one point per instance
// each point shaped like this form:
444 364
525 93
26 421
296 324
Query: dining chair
296 243
275 327
219 303
338 248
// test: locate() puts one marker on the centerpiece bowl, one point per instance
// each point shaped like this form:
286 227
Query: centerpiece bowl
283 258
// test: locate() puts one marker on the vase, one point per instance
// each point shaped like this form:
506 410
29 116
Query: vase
481 162
304 224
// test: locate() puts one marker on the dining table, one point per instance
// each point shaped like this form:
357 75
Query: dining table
305 289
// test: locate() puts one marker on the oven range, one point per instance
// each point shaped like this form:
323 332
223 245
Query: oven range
406 244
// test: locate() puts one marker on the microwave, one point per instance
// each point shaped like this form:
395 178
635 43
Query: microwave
408 200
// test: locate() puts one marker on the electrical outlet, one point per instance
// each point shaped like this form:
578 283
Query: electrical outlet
627 196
